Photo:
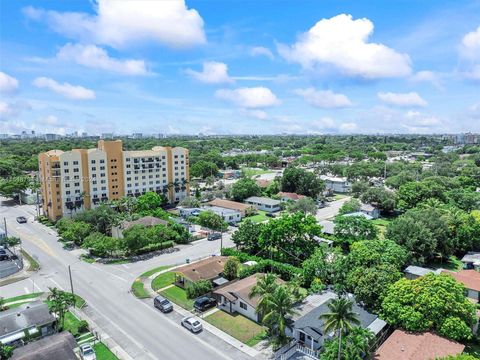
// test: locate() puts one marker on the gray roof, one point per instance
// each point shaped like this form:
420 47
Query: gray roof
308 314
263 200
328 227
359 213
25 316
473 257
420 271
367 207
54 347
221 210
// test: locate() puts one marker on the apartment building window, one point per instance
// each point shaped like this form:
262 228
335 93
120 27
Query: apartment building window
66 171
76 170
128 166
76 184
76 177
176 156
102 167
102 161
94 182
94 175
65 163
94 189
77 191
92 162
129 179
127 159
102 175
129 185
75 162
67 192
66 185
104 188
243 305
176 162
129 172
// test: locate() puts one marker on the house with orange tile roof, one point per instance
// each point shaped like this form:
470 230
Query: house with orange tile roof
470 279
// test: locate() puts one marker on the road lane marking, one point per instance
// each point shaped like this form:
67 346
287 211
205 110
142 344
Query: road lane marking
35 286
109 273
26 290
58 285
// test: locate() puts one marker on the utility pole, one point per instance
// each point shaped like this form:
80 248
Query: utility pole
71 282
5 225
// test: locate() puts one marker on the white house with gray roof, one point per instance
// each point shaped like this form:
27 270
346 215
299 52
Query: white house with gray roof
264 203
413 272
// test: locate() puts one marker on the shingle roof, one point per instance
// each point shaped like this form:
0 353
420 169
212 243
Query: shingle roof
419 271
409 346
206 269
54 347
228 204
290 195
25 316
469 278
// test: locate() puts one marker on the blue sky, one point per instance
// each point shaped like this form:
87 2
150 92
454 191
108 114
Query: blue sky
239 67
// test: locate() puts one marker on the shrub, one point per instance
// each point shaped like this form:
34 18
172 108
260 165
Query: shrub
230 270
83 327
154 247
198 288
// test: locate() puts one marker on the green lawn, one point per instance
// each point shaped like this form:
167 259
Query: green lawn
87 259
178 296
238 326
381 222
139 290
23 297
34 265
163 280
102 352
71 323
249 172
155 270
259 217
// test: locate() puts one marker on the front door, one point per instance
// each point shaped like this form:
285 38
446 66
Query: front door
302 337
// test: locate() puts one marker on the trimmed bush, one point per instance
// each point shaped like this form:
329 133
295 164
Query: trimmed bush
154 247
198 288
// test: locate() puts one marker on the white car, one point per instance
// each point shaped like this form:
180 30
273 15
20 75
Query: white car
192 324
87 352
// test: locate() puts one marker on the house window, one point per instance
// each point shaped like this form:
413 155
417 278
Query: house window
243 305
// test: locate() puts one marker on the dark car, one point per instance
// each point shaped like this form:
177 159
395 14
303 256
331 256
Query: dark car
204 303
21 219
162 304
270 215
214 236
3 255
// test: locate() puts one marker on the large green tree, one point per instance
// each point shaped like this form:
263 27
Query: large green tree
212 221
379 196
247 235
244 188
349 229
305 205
203 169
302 182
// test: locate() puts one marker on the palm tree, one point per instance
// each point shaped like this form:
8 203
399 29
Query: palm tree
278 307
266 284
340 319
60 301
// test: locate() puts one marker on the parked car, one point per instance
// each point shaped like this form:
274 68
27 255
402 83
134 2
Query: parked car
87 352
21 219
204 303
3 255
269 215
214 236
191 323
162 304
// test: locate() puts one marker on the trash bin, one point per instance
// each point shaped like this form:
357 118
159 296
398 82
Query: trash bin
187 260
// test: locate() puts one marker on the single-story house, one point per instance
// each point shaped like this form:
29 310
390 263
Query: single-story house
55 347
370 210
264 203
289 196
228 215
328 227
413 272
359 213
28 320
207 269
230 174
471 260
147 221
337 184
187 212
419 346
470 279
243 209
307 328
233 298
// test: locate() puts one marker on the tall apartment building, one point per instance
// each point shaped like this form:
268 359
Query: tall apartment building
82 178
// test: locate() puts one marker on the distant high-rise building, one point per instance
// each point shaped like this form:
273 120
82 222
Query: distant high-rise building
107 136
52 137
84 134
82 178
4 136
137 135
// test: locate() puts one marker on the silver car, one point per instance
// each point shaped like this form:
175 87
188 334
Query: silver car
87 352
192 324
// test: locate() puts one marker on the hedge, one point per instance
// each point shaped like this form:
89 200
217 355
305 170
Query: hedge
285 271
153 247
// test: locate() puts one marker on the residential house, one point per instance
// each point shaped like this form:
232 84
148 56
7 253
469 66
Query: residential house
328 227
419 346
413 272
370 210
471 261
359 213
470 279
243 209
207 269
264 203
25 321
147 221
228 215
307 329
234 297
289 196
337 184
55 347
187 212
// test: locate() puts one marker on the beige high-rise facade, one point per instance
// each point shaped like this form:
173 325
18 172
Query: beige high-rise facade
72 181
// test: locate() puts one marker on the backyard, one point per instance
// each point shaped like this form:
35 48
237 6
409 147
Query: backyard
238 326
260 216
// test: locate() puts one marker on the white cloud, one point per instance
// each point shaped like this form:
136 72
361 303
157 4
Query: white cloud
326 99
348 127
417 119
402 99
249 97
429 77
8 84
9 110
213 73
261 51
67 90
474 73
95 57
470 46
256 114
50 120
343 43
123 23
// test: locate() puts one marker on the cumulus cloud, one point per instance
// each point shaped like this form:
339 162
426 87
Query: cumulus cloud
213 73
427 76
256 114
249 97
261 51
343 43
95 57
418 119
348 127
470 53
325 99
67 90
411 99
123 23
8 84
10 110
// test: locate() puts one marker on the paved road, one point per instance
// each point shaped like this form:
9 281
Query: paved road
136 326
331 210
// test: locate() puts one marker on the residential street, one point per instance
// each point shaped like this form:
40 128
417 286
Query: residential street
142 331
331 210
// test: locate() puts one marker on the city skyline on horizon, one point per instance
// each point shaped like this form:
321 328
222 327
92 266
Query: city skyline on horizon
243 69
